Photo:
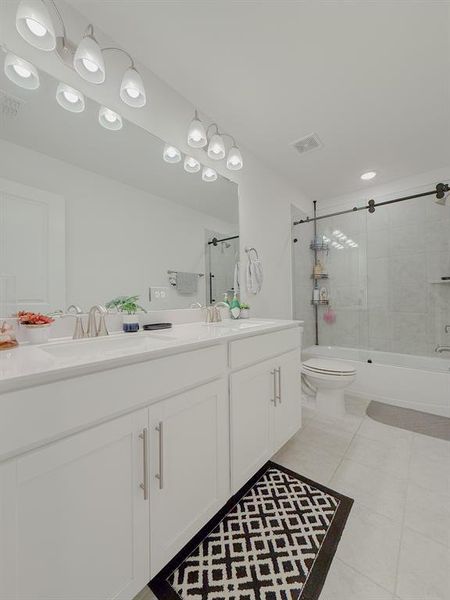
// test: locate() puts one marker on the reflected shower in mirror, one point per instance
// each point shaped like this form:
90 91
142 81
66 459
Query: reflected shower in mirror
91 213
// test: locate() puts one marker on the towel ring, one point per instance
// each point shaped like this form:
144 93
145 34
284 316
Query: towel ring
251 249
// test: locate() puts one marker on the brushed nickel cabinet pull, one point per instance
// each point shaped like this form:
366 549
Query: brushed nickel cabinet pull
160 429
279 385
275 396
144 485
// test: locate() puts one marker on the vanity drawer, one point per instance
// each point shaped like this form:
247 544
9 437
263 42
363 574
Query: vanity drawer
257 348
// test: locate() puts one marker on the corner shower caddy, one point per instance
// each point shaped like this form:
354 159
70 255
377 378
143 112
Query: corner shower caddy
318 246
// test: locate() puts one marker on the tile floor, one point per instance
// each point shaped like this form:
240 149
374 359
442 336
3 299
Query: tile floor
396 545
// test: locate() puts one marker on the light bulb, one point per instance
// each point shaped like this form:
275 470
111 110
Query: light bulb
88 60
109 119
132 90
36 28
171 154
70 98
234 159
196 137
21 72
216 147
209 174
191 165
34 24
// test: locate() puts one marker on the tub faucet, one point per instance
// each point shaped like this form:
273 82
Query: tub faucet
92 329
78 332
440 349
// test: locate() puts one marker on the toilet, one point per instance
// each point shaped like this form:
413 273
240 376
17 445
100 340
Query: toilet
330 378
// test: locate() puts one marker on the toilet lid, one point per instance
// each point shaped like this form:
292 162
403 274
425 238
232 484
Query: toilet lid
326 365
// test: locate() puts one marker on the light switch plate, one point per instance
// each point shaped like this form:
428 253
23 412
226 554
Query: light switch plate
158 293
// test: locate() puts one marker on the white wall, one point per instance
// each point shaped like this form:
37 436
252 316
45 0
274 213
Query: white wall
107 255
265 198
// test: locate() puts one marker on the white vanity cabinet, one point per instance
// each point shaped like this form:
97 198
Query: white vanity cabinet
189 467
265 413
74 520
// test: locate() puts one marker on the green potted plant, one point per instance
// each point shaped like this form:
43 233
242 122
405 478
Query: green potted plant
128 305
245 310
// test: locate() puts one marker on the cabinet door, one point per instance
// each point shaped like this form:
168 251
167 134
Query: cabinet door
74 521
287 413
252 406
189 474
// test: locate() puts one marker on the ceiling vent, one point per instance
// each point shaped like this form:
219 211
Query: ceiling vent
9 105
308 143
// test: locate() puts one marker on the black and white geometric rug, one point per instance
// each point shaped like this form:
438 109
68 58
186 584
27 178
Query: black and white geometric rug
274 540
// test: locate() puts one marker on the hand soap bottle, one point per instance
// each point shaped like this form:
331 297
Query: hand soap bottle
235 308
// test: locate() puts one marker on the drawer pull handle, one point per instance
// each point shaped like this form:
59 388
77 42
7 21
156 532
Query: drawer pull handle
160 476
144 485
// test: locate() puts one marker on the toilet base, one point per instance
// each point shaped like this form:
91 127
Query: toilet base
330 402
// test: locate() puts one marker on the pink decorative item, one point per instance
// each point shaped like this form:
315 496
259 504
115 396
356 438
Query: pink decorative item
329 316
7 336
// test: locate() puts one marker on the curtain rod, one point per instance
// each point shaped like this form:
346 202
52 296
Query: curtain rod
215 241
440 191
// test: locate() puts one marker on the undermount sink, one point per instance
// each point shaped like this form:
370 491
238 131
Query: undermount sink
105 346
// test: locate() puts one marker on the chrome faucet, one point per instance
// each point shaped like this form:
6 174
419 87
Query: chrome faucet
78 332
92 329
440 349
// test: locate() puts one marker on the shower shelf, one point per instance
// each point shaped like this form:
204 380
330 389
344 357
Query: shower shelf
321 276
317 302
441 281
320 247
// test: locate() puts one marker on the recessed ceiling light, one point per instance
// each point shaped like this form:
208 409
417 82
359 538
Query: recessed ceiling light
368 175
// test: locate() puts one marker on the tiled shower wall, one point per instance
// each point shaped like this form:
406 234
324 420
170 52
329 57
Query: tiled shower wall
382 291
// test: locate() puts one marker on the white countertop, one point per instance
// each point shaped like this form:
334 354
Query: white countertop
29 365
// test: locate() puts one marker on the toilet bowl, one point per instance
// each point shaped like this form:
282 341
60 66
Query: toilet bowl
329 378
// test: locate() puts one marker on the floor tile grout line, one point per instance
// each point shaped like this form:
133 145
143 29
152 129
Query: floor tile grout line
348 446
364 575
402 530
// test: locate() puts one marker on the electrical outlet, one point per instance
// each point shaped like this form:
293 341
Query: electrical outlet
158 293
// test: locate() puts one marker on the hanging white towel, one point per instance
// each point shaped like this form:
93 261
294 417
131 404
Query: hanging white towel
237 276
254 272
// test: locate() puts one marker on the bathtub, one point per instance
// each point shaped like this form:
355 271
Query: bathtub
417 382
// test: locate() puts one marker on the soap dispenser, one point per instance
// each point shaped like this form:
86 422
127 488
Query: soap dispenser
235 308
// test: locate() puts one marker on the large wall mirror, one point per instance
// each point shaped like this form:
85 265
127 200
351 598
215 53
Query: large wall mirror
88 214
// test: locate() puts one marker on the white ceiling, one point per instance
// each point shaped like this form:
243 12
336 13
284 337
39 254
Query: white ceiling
370 78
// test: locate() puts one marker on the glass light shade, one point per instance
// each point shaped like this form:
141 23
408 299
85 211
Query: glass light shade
34 24
209 174
216 147
171 154
109 119
132 90
21 72
191 164
234 159
70 98
196 137
88 61
368 176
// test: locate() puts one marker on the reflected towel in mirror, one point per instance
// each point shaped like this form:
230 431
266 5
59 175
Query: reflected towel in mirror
187 283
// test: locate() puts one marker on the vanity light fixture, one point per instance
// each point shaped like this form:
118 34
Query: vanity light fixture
109 119
368 176
216 146
196 137
34 24
132 90
171 154
191 164
234 159
21 72
88 59
209 174
70 98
